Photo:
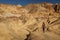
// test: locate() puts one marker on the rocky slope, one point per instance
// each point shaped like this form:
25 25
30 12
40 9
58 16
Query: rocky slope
31 22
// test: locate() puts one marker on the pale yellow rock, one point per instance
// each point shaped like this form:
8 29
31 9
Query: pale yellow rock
30 22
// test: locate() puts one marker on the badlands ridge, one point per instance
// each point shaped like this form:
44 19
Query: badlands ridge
31 22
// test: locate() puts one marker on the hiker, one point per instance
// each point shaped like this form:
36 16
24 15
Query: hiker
56 8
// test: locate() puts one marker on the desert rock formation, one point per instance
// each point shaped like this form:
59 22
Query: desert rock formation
31 22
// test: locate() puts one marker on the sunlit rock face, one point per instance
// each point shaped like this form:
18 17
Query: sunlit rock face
31 22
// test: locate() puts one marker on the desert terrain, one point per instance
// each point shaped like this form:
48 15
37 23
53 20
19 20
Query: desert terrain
39 21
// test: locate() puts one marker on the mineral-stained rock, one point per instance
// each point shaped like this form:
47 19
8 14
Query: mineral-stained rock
31 22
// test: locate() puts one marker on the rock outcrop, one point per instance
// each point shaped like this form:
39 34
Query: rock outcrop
31 22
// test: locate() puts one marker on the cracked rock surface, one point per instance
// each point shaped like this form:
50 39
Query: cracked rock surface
30 22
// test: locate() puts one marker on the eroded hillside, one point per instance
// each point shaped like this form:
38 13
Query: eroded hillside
31 22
